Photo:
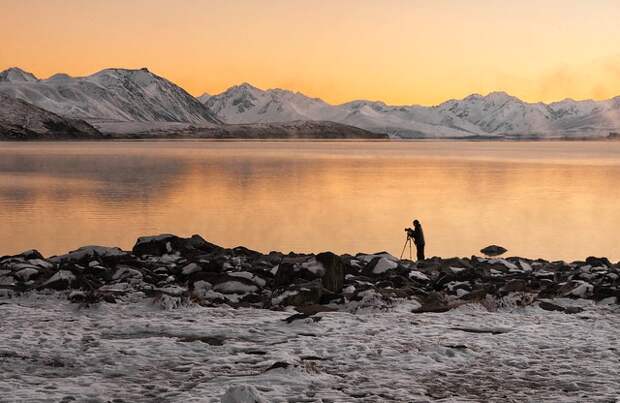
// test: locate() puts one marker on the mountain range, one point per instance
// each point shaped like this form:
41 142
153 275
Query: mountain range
495 115
134 102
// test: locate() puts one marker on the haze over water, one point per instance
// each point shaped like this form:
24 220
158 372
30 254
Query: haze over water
554 200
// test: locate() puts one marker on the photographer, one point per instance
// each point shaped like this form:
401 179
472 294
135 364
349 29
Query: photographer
417 234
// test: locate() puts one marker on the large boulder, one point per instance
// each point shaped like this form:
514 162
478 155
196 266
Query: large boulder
86 254
333 274
326 266
168 244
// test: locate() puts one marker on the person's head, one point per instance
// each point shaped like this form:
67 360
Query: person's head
416 223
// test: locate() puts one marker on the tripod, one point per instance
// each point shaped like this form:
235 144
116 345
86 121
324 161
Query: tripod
407 241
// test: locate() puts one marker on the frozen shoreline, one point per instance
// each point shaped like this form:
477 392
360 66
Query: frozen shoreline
53 351
183 320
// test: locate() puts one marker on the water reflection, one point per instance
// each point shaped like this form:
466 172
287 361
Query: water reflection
554 200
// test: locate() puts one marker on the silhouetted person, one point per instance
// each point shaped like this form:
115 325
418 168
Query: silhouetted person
418 239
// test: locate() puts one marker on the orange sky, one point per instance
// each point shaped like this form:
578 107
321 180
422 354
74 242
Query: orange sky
399 51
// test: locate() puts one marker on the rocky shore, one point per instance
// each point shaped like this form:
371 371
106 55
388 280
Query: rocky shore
176 271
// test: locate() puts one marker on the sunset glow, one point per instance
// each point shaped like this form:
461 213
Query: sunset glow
398 51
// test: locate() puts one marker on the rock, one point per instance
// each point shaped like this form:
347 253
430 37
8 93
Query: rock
168 244
333 276
548 306
516 285
493 250
254 278
298 269
379 265
242 394
235 287
299 294
62 280
27 273
190 268
598 261
86 254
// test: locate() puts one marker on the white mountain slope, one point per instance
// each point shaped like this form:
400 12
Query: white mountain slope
20 120
110 95
495 115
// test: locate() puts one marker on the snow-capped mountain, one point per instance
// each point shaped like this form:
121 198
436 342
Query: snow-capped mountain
494 115
109 95
20 120
16 75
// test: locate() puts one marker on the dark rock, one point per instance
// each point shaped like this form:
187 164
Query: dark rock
61 280
598 261
278 364
299 294
548 306
86 254
333 276
517 285
493 250
167 244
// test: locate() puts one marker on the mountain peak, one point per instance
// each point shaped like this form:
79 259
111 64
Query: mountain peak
500 96
15 75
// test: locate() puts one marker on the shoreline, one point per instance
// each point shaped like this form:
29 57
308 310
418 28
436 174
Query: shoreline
193 269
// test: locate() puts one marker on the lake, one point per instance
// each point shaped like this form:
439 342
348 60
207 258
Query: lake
555 200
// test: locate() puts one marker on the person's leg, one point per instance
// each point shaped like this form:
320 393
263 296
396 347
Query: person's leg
420 250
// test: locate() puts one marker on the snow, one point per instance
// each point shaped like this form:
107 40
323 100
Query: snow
242 394
109 95
314 266
26 273
61 275
135 352
384 265
418 275
496 114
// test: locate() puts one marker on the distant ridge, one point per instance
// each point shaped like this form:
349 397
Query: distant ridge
497 114
126 101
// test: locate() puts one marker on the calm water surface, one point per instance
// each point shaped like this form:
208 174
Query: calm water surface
539 199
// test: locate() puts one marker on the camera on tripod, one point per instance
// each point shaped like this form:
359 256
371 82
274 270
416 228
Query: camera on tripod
409 232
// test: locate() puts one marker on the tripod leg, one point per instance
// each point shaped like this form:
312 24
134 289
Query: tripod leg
410 252
404 247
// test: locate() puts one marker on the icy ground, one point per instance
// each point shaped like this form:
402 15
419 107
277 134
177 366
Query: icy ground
54 351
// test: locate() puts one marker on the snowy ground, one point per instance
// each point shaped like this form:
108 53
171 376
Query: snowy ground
51 350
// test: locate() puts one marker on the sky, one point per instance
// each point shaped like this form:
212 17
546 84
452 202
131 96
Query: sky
398 51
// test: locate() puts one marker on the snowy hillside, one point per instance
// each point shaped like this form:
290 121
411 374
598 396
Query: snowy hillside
109 95
494 115
20 120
